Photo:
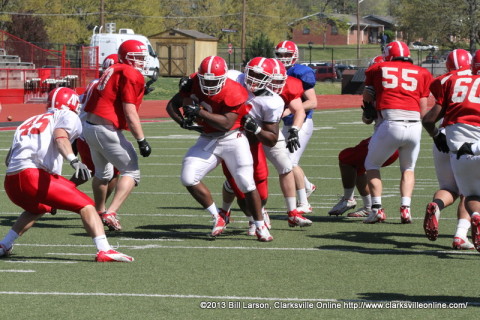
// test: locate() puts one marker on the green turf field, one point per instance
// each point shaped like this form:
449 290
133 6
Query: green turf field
321 272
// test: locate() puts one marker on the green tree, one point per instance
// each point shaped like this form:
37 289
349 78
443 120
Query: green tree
260 46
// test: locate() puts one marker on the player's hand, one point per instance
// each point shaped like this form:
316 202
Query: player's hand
369 111
191 111
82 173
441 142
466 148
293 143
192 126
250 125
185 84
144 147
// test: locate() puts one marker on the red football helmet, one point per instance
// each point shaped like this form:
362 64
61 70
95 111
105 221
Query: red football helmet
377 59
133 53
212 74
458 59
109 60
64 99
279 76
287 52
258 73
396 49
476 63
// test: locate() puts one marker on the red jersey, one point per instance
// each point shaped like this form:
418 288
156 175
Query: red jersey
437 83
398 84
231 98
461 100
119 84
292 90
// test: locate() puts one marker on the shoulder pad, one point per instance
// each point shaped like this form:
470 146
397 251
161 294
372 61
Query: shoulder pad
235 93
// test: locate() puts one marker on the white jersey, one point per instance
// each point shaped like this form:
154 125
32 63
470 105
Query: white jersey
266 107
33 144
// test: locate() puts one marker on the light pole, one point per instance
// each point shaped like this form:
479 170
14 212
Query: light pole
310 45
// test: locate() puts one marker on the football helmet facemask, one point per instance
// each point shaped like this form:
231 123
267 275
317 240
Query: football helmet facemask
279 76
133 53
212 74
258 73
287 53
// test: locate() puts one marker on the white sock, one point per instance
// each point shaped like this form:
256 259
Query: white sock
102 243
308 184
462 228
302 197
213 210
259 224
291 203
348 193
367 202
10 238
376 200
406 201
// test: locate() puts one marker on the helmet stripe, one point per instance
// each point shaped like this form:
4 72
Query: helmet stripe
54 97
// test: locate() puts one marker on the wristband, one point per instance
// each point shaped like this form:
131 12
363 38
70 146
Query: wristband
70 157
141 140
436 133
295 127
258 130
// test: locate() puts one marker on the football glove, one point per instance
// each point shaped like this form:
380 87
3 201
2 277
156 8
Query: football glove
466 148
440 141
144 147
191 126
250 125
185 84
369 111
190 112
81 170
293 143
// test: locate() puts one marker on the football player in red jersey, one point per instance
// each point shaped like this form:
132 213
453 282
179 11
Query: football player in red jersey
34 166
352 170
461 120
401 90
215 101
458 63
113 107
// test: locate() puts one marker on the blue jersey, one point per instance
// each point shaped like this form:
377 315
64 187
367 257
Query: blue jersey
307 76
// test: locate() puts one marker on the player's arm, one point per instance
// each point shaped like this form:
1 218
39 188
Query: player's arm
296 107
269 134
368 99
431 117
309 99
173 108
222 122
133 121
62 141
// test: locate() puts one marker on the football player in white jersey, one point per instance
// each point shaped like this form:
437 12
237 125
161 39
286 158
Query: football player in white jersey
33 179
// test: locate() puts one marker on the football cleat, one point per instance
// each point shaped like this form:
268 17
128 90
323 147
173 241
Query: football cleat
304 209
4 252
252 228
460 243
295 219
112 256
476 231
111 221
342 206
218 225
405 216
266 219
225 215
263 234
430 222
311 190
376 215
360 213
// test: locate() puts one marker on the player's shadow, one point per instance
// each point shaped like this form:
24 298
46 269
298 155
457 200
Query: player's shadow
389 296
388 240
46 222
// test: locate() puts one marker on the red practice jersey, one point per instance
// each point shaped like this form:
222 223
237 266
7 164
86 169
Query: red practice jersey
461 100
292 90
437 83
119 84
398 84
231 98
